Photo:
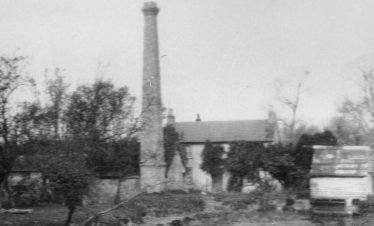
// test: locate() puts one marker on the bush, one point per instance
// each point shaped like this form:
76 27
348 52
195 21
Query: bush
6 204
26 193
24 200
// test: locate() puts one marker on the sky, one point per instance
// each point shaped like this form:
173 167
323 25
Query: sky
221 59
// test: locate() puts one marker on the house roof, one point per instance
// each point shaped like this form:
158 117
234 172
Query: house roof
224 131
344 161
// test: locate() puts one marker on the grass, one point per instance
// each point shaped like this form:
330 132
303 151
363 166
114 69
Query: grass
167 204
44 215
152 204
171 203
234 198
229 218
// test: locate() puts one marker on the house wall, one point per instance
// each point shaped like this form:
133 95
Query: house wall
200 179
176 175
341 187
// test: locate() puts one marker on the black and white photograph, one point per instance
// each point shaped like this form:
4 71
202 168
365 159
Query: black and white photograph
186 112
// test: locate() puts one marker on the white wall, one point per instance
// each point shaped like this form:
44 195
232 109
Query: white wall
341 187
200 179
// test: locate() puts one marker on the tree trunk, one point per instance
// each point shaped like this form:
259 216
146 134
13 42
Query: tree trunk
7 191
70 216
117 198
45 193
241 182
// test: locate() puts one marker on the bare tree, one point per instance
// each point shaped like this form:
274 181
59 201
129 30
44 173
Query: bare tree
291 101
355 123
11 79
57 94
347 132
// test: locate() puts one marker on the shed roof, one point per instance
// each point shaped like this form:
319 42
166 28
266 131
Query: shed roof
224 131
344 161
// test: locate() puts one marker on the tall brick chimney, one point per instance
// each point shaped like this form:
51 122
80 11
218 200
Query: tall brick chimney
152 165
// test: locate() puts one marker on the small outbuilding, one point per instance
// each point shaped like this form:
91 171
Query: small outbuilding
341 176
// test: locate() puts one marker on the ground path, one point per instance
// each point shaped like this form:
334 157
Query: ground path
286 223
360 221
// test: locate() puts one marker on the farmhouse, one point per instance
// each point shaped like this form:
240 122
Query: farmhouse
195 134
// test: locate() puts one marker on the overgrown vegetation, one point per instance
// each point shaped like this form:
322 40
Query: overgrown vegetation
244 160
73 137
280 163
289 164
12 79
172 144
213 162
70 138
68 177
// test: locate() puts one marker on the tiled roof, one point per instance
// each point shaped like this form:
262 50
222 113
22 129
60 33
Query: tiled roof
223 131
345 161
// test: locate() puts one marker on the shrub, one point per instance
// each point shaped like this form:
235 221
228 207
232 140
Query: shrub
26 193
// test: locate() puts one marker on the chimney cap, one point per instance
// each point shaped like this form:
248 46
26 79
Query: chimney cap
170 112
150 8
170 118
198 119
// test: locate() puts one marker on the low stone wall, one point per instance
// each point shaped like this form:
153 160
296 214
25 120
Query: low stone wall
104 190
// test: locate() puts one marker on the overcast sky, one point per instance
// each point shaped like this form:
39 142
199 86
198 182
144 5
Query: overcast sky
220 58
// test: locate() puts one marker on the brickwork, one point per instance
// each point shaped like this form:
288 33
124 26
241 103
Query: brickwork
152 163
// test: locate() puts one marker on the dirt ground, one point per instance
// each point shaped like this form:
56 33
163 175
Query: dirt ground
367 220
228 210
54 215
288 223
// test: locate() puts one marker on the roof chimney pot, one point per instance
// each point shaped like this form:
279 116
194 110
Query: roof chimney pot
198 119
170 118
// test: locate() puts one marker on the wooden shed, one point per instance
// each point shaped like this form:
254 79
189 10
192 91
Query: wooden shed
341 176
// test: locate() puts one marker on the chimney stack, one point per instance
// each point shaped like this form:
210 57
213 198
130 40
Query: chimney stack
152 163
274 129
198 119
272 116
170 118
